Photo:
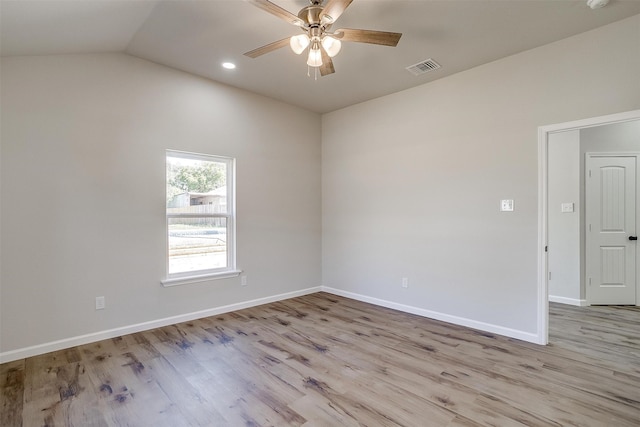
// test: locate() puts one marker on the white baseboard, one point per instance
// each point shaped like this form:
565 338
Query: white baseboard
35 350
570 301
469 323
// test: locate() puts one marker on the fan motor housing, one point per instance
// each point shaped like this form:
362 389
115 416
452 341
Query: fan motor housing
311 15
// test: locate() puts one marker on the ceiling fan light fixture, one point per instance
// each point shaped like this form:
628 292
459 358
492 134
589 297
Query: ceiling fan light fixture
299 43
315 57
315 22
331 45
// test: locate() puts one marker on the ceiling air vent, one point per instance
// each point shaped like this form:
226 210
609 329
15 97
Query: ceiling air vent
423 67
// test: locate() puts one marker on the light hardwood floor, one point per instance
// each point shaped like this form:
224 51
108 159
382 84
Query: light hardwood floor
322 360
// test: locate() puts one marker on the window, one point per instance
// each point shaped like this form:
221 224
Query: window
200 217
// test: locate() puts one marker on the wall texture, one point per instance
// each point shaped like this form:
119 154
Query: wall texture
83 188
412 181
564 227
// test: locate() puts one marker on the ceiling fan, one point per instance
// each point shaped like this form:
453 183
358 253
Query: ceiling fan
315 22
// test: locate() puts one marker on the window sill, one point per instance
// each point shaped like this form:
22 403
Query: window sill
176 281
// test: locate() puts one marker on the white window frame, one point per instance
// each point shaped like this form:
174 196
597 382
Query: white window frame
230 270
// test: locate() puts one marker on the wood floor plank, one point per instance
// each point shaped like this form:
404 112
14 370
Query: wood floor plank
319 411
12 391
324 360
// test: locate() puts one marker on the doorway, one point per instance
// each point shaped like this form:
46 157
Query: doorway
544 133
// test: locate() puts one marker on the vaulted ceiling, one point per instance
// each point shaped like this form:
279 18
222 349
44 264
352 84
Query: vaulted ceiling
198 36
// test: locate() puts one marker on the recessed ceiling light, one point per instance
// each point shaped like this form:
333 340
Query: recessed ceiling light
229 65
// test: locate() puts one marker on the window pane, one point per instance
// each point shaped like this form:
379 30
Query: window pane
196 186
197 244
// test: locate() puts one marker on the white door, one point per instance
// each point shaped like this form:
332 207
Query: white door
610 189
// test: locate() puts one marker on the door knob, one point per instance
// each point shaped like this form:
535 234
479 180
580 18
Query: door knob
633 237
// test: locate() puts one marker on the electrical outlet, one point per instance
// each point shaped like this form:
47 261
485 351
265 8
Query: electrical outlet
243 280
100 303
405 282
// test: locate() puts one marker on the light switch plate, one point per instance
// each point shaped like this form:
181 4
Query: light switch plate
506 205
566 207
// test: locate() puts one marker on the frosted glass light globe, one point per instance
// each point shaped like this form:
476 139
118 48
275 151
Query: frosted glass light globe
315 57
331 46
299 43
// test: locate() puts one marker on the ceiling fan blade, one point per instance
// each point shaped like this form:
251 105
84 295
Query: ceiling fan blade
267 48
276 10
327 64
368 36
333 9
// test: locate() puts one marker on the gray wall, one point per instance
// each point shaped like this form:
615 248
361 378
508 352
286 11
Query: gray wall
610 138
412 181
83 192
564 227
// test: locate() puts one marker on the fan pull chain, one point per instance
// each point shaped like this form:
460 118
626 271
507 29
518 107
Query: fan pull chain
315 72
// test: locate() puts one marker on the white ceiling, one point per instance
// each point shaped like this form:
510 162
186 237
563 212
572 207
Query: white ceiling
197 36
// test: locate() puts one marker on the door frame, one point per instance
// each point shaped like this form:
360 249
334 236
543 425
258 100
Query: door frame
543 214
